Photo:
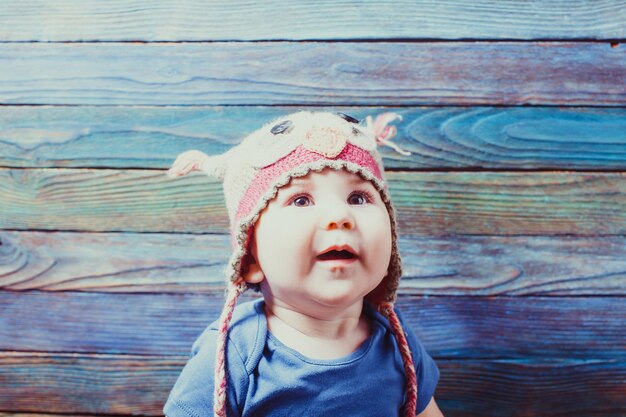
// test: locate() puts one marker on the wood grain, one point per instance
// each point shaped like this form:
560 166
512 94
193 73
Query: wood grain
513 138
449 327
551 387
314 73
143 20
129 384
42 414
512 218
432 203
190 263
86 384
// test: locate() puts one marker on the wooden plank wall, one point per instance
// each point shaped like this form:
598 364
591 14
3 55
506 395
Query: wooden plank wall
512 207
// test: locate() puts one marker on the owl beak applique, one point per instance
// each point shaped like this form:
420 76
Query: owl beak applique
325 141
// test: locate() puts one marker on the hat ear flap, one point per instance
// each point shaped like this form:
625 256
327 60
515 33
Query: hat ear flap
189 161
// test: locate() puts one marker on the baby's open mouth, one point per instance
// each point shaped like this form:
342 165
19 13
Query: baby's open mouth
335 254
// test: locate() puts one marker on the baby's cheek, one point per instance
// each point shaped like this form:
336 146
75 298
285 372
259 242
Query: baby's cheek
379 223
383 239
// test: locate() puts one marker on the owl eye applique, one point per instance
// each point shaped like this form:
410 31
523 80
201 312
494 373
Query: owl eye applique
282 127
348 118
272 143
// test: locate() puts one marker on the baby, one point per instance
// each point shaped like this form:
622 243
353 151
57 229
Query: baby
313 229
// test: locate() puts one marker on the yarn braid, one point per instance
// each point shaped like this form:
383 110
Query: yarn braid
409 368
219 393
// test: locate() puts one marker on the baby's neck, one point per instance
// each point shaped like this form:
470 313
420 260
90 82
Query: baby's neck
318 337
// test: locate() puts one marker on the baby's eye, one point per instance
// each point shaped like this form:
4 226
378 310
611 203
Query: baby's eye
359 198
301 201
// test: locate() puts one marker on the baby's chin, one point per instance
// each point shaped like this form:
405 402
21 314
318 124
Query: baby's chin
354 273
341 293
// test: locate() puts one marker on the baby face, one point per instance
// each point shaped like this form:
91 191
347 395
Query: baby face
324 240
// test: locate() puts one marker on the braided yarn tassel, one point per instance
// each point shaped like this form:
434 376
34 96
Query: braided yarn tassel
219 393
409 368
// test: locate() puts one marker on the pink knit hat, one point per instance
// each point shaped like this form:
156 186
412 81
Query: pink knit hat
266 160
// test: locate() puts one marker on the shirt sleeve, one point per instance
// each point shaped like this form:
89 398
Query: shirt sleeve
192 394
426 369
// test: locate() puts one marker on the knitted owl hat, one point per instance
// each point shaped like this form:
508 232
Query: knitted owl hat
268 159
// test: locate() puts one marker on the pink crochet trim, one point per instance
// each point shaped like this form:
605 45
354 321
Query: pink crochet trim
300 156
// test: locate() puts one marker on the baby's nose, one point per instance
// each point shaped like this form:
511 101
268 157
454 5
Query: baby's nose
343 224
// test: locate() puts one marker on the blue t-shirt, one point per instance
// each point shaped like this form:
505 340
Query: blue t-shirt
267 378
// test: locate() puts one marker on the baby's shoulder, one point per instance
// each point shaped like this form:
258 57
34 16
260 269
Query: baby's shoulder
246 334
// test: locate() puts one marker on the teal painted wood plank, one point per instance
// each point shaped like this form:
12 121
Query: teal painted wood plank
527 388
111 384
527 328
86 384
445 265
431 203
453 137
314 73
42 414
242 20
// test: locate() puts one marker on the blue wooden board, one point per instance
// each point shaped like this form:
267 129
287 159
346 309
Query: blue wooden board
460 138
145 20
314 73
450 265
531 328
84 384
427 203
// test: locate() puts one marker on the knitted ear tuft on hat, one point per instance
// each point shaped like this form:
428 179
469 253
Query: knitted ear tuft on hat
213 166
269 158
